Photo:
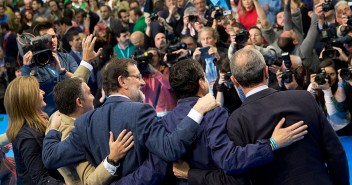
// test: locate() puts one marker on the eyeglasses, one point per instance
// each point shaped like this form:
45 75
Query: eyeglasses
139 77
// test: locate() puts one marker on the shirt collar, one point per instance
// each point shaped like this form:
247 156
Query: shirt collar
256 90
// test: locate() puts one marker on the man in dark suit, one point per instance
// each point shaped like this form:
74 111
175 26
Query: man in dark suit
213 149
317 159
89 139
114 24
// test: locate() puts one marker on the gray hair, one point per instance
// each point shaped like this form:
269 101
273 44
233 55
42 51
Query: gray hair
190 11
247 66
214 33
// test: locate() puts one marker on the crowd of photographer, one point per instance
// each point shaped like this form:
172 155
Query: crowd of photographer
306 46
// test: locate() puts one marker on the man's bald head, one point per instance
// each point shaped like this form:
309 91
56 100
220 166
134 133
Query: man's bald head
137 38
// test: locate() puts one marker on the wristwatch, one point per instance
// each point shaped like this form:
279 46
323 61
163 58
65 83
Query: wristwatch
112 162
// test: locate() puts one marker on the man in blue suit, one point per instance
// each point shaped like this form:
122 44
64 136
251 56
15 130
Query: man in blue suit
317 159
122 81
213 150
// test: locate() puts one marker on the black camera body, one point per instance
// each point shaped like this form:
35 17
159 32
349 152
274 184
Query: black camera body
271 59
287 76
227 78
327 6
171 58
219 12
40 46
346 74
320 78
154 16
192 18
143 61
242 37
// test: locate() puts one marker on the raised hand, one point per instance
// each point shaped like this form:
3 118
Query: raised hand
88 52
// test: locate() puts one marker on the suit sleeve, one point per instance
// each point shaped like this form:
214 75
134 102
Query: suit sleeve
231 158
213 177
333 151
57 154
90 175
32 158
82 72
169 146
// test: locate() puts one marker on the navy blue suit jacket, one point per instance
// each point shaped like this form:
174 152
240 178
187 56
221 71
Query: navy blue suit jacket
317 159
213 149
89 139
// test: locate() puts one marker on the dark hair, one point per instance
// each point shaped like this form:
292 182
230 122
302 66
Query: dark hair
224 65
184 78
68 12
108 7
122 30
80 11
39 2
121 11
137 11
66 21
255 27
71 34
5 25
327 63
115 68
42 26
65 94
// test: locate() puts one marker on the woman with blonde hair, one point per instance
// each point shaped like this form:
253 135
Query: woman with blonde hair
27 124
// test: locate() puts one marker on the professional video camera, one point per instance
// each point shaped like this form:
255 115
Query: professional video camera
143 61
40 46
320 78
241 37
346 74
327 6
154 16
171 58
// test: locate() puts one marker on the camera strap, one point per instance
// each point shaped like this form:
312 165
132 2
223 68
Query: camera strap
157 96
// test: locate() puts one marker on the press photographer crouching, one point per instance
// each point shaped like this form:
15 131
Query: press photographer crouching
42 60
157 89
330 91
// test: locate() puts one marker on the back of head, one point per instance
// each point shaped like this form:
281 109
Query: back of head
111 72
21 102
184 78
65 94
247 66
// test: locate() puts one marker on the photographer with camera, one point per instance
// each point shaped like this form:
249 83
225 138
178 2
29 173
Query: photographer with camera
57 67
292 75
329 88
209 55
226 93
157 89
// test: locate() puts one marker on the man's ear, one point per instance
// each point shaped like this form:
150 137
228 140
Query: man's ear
70 43
201 83
79 102
121 81
266 72
233 79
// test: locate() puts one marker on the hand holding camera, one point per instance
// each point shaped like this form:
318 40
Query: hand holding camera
27 58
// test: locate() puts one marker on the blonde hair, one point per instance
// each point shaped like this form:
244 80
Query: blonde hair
21 102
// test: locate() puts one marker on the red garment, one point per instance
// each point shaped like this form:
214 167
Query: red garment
249 18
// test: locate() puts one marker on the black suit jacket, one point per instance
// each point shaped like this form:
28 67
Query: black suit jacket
317 159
